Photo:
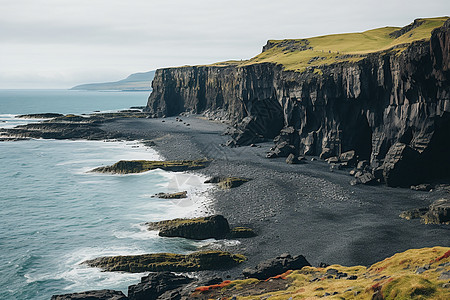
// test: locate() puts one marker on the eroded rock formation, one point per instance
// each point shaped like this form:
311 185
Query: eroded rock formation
367 105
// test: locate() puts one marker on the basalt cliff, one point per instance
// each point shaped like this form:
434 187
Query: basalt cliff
384 94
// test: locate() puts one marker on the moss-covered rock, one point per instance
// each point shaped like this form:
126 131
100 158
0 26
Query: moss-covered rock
179 195
197 228
242 232
227 182
158 262
139 166
40 116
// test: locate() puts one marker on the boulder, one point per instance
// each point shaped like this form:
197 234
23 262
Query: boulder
349 157
363 164
139 166
282 149
179 195
161 285
197 228
92 295
291 159
167 262
437 213
400 168
424 187
366 178
326 153
242 232
332 160
276 266
227 182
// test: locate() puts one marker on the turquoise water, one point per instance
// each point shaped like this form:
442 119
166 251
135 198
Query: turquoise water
55 214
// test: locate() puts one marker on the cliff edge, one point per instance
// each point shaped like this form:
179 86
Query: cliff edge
384 93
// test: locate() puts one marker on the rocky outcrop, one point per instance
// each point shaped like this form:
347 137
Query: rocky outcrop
198 228
69 126
368 105
139 166
162 285
227 182
168 262
40 116
92 295
437 213
179 195
273 267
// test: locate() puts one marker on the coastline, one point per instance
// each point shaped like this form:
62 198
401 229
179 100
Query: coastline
301 209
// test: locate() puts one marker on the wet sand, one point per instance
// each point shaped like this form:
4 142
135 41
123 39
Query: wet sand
301 209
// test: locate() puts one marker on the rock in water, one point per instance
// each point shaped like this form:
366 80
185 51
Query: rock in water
273 267
92 295
161 285
242 232
168 262
197 228
438 212
179 195
139 166
227 182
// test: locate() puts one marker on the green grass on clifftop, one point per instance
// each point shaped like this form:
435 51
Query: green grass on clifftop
299 54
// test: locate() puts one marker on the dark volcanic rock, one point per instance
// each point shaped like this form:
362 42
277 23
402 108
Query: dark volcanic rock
437 213
197 228
40 116
401 167
178 195
139 166
227 182
168 262
348 157
242 232
273 267
366 106
70 126
162 285
92 295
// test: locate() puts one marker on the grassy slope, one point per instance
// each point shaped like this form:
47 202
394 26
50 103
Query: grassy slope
299 54
395 278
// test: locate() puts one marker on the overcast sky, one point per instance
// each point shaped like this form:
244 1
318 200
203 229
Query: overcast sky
61 43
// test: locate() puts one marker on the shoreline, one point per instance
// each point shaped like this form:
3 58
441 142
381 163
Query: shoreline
301 209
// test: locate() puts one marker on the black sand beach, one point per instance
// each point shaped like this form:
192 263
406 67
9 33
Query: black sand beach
301 209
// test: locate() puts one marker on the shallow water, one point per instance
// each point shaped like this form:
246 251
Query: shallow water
55 214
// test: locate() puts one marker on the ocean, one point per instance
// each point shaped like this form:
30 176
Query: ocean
55 214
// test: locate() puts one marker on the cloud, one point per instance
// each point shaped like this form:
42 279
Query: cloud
114 38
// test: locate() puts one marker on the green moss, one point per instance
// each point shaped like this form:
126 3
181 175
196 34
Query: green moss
178 195
139 166
157 262
409 287
242 232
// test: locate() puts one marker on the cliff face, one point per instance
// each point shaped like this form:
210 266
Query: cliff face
392 107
